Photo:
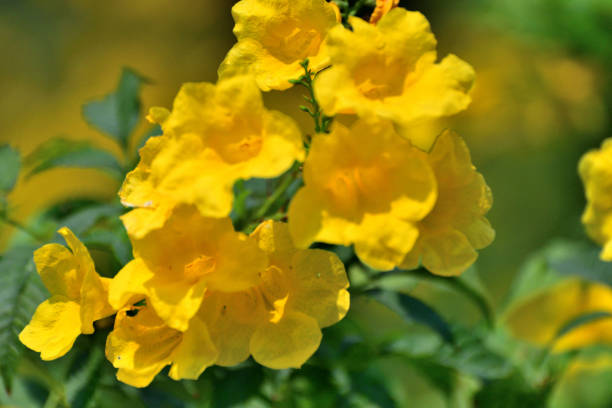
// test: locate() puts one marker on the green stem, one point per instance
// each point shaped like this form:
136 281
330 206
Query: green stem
282 188
322 121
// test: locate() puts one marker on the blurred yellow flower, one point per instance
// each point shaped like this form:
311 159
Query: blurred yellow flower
382 8
365 186
141 345
275 36
277 320
450 235
596 172
78 298
540 317
215 135
390 70
176 265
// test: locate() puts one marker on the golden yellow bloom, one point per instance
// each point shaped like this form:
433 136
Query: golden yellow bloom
596 172
365 186
176 265
539 318
382 8
277 319
390 70
215 135
78 298
275 36
450 235
141 345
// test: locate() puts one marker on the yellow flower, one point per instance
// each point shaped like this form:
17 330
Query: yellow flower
215 135
176 265
382 8
365 186
596 172
390 70
450 235
539 318
141 345
78 298
275 36
277 320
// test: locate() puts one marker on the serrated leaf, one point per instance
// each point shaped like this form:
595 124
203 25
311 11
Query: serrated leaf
10 164
61 152
413 310
21 291
118 113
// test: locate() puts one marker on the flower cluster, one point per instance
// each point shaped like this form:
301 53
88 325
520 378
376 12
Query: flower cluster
596 172
198 292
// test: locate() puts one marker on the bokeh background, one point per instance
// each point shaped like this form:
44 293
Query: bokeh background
543 97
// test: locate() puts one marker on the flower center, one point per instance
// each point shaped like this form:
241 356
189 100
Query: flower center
377 78
201 266
290 42
356 187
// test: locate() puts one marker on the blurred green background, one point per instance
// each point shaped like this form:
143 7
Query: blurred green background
543 97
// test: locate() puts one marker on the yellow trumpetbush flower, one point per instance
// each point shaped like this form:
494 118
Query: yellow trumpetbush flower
390 70
277 320
365 186
539 318
215 135
141 345
275 36
382 8
78 298
301 291
595 169
456 227
177 264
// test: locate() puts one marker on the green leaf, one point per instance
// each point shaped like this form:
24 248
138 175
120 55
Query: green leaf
82 384
82 220
413 310
580 259
61 152
118 113
21 291
474 353
10 163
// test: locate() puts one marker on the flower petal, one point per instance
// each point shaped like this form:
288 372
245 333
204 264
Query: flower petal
54 327
195 353
140 346
127 287
232 319
287 343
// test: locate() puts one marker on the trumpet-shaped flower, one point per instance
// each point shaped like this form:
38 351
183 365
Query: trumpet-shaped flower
390 70
275 36
365 186
215 135
78 298
141 345
450 235
277 320
596 172
176 265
